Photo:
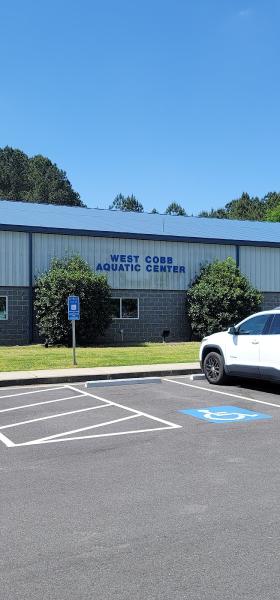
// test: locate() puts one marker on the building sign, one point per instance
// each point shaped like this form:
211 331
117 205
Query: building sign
132 262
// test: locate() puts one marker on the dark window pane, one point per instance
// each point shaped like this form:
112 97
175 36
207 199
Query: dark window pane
129 308
116 308
254 326
275 326
3 308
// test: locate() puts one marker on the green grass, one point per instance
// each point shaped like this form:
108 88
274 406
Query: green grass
24 358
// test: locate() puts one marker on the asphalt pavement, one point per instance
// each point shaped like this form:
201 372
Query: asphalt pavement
114 494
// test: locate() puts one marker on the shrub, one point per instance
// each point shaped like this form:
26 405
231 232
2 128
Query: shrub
219 297
66 277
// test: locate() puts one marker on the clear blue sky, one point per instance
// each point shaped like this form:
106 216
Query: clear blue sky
172 100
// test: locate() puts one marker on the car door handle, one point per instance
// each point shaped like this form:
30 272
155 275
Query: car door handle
255 342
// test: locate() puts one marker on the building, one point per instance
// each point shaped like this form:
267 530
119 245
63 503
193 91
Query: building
149 259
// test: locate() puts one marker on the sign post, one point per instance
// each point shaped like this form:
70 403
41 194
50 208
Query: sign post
74 315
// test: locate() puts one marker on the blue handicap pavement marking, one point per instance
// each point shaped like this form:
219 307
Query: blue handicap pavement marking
225 414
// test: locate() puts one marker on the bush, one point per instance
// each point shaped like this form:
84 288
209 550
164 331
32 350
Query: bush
67 277
219 297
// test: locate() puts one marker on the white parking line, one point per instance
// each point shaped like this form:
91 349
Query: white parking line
214 391
62 387
56 435
38 403
100 435
143 414
71 412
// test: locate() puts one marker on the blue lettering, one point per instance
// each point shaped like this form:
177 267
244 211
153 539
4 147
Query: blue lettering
148 259
175 269
182 270
169 260
129 258
156 268
136 258
99 267
127 267
162 259
163 268
155 259
137 268
149 268
106 267
121 267
114 267
114 257
123 257
169 268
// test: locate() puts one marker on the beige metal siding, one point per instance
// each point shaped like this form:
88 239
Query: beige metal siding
14 264
99 250
262 267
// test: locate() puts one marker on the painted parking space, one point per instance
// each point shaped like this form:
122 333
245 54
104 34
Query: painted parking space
25 422
225 414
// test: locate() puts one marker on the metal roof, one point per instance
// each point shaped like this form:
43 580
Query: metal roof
49 218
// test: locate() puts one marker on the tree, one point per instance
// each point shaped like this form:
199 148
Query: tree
34 179
66 277
219 297
126 204
154 211
175 209
245 208
273 214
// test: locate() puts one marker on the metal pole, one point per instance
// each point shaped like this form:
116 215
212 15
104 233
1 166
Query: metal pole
74 341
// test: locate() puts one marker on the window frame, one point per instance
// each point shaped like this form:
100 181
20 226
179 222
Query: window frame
270 332
7 307
121 318
265 329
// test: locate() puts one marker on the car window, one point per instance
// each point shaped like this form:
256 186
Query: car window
275 326
253 326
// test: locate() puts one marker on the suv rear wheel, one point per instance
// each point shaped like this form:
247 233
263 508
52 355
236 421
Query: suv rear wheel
213 367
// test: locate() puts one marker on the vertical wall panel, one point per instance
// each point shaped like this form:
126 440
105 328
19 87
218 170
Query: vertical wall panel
99 250
262 267
14 263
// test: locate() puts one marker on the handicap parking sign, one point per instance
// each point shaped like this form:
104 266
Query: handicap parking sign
225 414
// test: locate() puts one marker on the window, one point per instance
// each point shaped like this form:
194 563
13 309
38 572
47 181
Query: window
275 326
125 308
3 308
254 326
116 308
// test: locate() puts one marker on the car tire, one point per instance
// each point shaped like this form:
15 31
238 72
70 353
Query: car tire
214 369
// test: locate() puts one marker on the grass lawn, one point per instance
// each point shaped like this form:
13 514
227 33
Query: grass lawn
24 358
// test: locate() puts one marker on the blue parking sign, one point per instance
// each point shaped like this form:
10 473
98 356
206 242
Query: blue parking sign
225 414
73 308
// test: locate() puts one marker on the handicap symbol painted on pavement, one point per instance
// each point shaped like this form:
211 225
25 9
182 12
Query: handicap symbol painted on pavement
225 414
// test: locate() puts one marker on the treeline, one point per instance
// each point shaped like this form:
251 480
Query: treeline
249 208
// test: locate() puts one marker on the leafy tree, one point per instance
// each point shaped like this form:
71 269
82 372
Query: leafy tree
154 211
66 277
175 209
126 204
273 214
245 208
34 179
219 297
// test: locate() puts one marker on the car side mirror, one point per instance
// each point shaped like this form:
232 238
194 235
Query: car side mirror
233 330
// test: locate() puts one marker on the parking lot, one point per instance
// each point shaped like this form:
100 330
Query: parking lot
163 490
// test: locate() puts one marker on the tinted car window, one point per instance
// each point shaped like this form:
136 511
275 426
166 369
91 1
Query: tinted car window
275 326
253 326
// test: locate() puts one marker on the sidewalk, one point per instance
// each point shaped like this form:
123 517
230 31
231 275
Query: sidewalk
77 374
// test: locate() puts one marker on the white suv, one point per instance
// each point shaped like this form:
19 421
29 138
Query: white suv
249 349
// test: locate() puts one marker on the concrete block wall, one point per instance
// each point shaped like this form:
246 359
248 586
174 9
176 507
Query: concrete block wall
157 311
15 331
270 300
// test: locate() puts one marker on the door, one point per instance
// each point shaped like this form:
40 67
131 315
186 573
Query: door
243 349
270 350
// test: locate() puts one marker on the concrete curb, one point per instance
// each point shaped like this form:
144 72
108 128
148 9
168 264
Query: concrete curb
49 379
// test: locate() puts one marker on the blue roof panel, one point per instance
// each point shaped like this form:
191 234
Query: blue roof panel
49 217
